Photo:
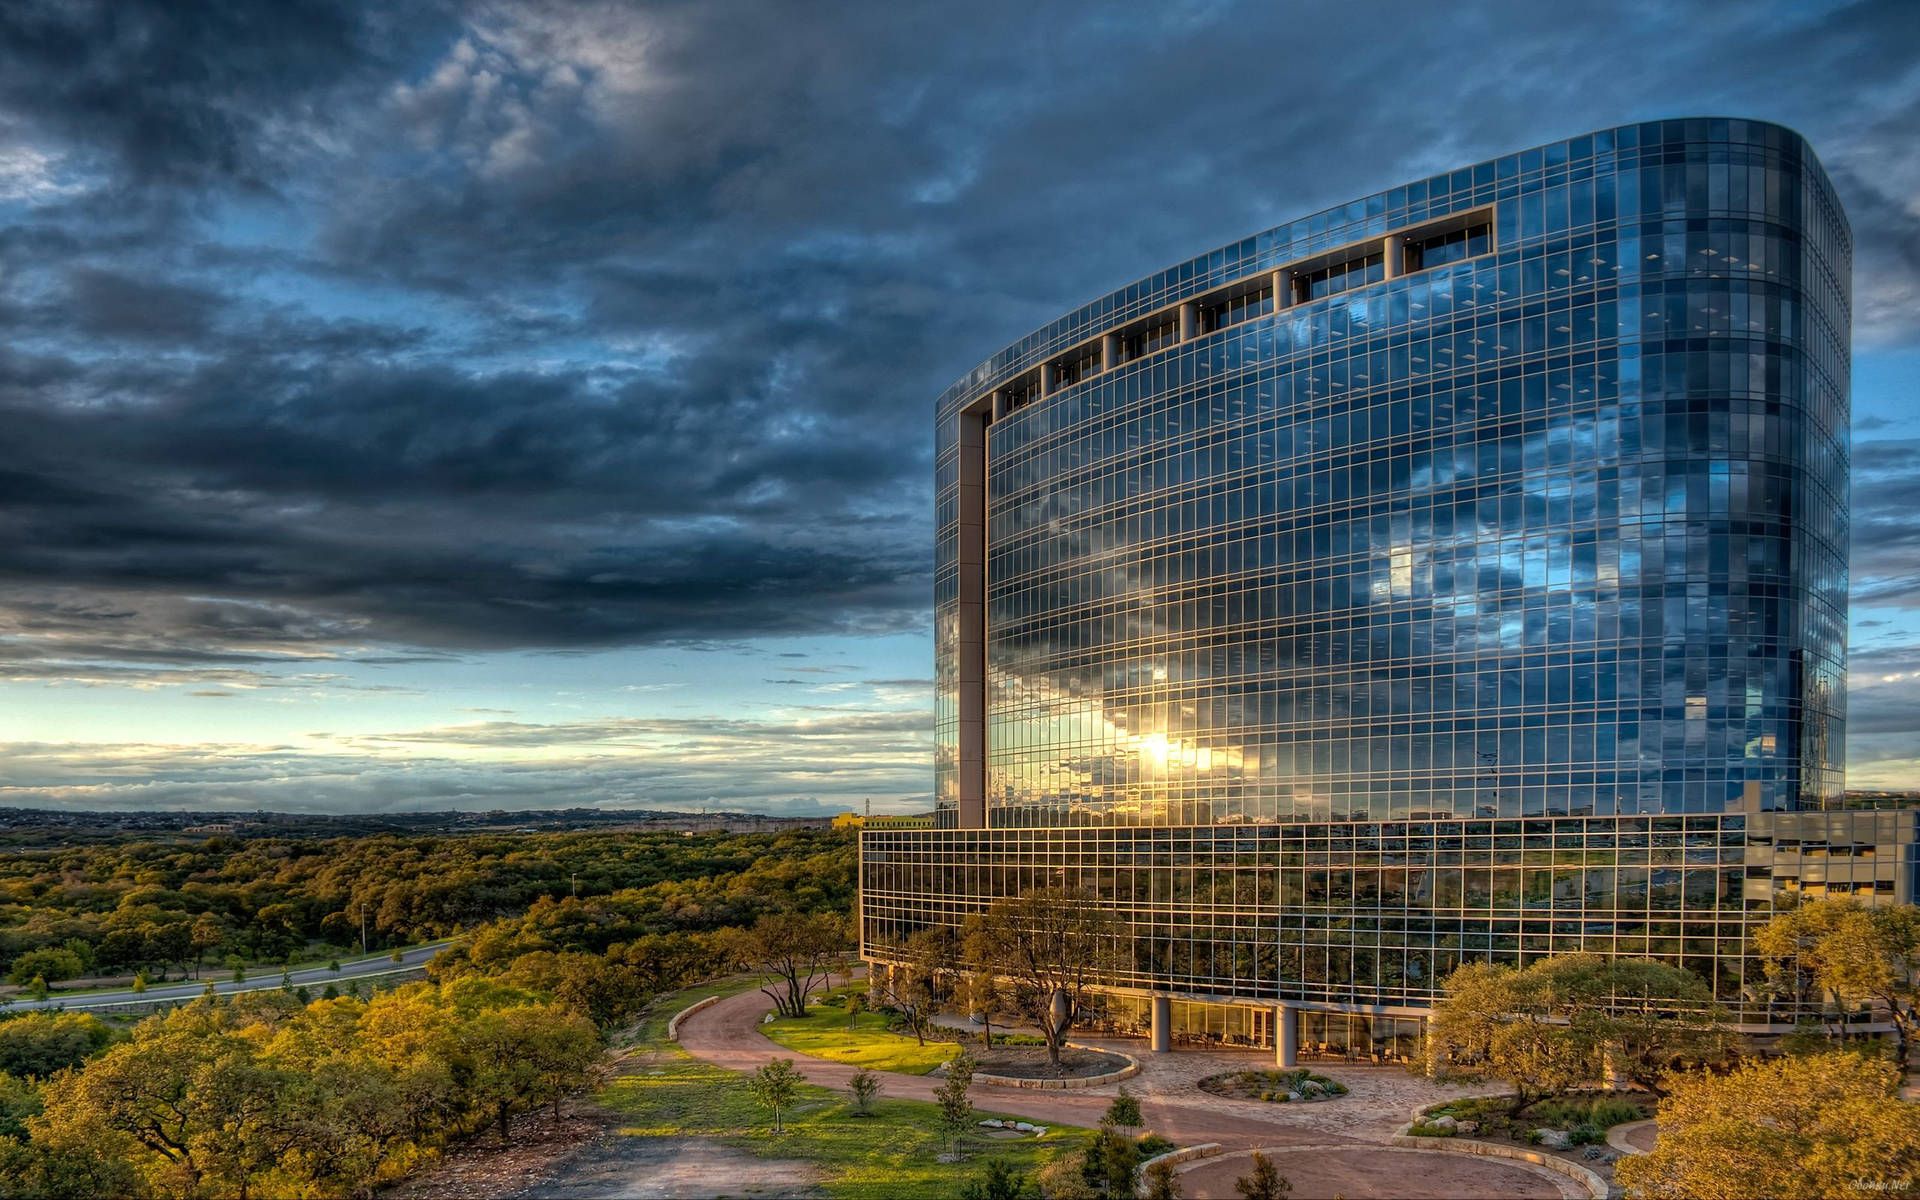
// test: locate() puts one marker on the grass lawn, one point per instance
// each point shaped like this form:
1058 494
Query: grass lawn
823 1033
889 1154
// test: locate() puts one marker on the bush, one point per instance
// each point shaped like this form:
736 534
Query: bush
1152 1145
1586 1135
1064 1179
52 965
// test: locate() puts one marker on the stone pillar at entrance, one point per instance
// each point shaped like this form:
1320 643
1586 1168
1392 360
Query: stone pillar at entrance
1162 1024
1286 1036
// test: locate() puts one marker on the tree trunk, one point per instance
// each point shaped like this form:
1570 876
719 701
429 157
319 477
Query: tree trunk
504 1118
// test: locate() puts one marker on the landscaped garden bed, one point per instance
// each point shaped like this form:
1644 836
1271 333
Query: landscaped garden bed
1561 1123
1298 1086
1030 1062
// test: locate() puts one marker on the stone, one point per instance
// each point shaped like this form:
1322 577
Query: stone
1468 1127
1023 1127
1311 1088
1552 1139
1447 1123
1039 1131
1293 1097
993 1123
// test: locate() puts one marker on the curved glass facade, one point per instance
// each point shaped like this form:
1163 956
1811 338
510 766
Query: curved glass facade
1507 504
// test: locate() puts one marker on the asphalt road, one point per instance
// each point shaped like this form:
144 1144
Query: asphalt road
266 979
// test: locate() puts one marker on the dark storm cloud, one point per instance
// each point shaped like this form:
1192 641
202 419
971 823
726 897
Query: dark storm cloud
336 329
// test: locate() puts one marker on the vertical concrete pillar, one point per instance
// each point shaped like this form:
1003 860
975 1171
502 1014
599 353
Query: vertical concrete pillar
1189 321
1162 1024
1395 252
1109 352
1046 381
998 404
1610 1068
1282 289
1436 1054
1286 1036
971 657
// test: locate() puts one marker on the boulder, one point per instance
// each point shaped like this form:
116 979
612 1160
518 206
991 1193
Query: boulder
1293 1097
993 1123
1023 1127
1446 1123
1311 1088
1552 1139
1039 1131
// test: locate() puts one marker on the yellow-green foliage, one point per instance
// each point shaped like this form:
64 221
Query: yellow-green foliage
890 1154
1826 1125
823 1033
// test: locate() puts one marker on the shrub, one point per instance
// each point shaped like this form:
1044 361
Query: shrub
1152 1145
1064 1178
997 1181
1586 1135
1608 1111
864 1085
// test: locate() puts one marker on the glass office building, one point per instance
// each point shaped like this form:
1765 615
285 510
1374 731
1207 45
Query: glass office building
1458 573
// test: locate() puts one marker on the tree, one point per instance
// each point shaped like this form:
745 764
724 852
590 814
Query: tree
1853 954
1124 1111
39 1044
956 1107
996 1181
914 985
864 1086
1162 1183
775 1085
1644 1016
188 1105
1111 1162
1553 1024
1820 1125
792 952
525 1055
983 986
1264 1182
53 965
1053 945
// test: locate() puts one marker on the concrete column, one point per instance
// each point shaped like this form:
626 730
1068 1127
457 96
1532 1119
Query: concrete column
1437 1056
1282 289
1610 1068
1286 1036
1046 380
1189 321
1162 1024
971 659
1395 252
998 403
1109 352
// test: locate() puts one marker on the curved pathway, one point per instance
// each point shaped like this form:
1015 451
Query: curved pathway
1336 1147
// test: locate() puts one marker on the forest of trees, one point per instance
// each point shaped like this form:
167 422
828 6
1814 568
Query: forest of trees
165 908
284 1093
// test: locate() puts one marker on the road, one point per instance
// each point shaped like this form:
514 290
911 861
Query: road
267 979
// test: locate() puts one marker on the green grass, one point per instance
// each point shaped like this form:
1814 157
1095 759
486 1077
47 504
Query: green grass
823 1033
892 1153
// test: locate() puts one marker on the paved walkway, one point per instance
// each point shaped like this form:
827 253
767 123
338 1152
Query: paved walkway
1336 1147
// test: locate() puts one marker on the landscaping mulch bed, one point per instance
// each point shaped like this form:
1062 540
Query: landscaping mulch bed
1030 1062
1300 1085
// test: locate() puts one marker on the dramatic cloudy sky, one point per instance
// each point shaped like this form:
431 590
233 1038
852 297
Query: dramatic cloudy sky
483 405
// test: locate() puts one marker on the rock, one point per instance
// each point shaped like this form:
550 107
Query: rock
1023 1127
1552 1139
1468 1127
1039 1131
1293 1097
993 1123
1311 1088
1447 1123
